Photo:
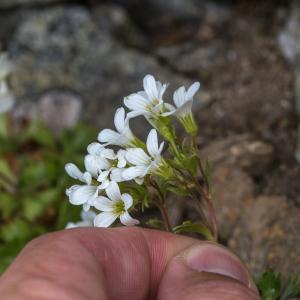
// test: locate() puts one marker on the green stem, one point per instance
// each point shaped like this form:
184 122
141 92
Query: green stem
161 205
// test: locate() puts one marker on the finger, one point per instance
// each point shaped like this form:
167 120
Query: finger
206 272
120 263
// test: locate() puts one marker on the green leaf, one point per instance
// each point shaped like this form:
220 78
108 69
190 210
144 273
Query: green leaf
8 251
6 171
178 191
189 226
269 285
3 125
190 163
156 223
35 173
8 205
39 133
16 229
36 205
291 289
207 171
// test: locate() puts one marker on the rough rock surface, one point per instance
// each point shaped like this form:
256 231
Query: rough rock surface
289 41
66 48
14 3
235 160
269 230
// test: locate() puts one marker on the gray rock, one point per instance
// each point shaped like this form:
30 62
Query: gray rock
191 58
57 109
289 42
163 15
13 3
66 48
289 37
115 20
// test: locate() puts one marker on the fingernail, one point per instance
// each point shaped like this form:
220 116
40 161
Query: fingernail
218 260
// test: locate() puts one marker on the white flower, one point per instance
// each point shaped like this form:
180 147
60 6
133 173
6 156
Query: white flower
75 173
183 100
104 164
123 136
113 207
142 162
6 98
5 66
87 220
81 194
148 102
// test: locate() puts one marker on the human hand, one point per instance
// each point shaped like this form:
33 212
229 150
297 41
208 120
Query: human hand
125 263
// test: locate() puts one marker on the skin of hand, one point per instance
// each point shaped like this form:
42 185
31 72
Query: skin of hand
125 263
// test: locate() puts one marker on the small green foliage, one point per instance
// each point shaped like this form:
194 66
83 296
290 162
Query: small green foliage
33 182
189 226
207 176
155 223
271 286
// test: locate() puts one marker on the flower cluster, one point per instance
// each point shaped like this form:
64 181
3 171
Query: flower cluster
6 98
120 169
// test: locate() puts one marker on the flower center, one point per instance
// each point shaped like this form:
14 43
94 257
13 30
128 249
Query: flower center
119 207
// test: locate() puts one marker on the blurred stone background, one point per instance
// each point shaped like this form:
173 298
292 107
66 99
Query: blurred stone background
78 59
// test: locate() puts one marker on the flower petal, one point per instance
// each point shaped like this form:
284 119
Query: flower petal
134 172
179 96
150 87
139 180
87 215
119 119
152 143
104 219
71 189
116 175
108 153
127 220
103 176
108 136
82 194
128 201
87 177
161 89
121 158
73 171
193 89
95 163
95 148
136 113
104 185
185 109
113 191
137 102
103 203
137 156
